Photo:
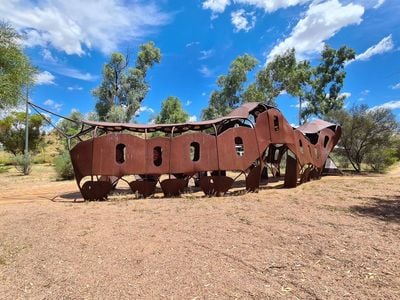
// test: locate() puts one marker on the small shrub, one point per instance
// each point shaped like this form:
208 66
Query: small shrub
380 159
4 169
63 166
23 163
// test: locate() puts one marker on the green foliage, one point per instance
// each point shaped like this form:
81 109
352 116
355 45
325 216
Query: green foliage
281 74
71 128
4 169
23 163
380 158
125 86
327 81
12 132
367 136
63 166
172 112
16 70
229 96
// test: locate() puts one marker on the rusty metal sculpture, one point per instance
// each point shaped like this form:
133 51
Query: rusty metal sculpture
251 137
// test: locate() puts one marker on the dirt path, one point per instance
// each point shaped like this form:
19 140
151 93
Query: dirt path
335 238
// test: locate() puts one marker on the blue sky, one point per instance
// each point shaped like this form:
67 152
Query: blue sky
69 41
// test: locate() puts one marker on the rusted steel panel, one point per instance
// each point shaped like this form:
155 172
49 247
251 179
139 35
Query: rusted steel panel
236 147
215 185
262 131
193 152
173 187
231 157
280 130
81 158
253 179
157 157
118 155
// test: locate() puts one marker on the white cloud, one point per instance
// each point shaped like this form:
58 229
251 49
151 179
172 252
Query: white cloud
193 118
44 78
75 88
240 20
46 54
192 44
365 92
187 103
53 105
345 94
73 73
206 54
379 3
395 104
218 6
205 71
145 109
385 45
396 86
203 93
321 21
303 104
72 26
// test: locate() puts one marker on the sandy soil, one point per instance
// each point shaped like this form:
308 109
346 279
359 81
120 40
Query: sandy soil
334 238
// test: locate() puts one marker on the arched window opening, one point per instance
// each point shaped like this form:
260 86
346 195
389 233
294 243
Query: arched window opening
276 123
120 153
276 154
157 156
239 147
301 147
326 140
194 151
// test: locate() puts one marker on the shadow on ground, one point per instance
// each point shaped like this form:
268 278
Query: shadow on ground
385 209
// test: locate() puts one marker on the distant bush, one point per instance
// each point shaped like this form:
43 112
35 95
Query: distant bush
381 158
63 166
4 169
23 163
6 158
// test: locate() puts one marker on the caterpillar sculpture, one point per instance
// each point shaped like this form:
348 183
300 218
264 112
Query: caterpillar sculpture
246 140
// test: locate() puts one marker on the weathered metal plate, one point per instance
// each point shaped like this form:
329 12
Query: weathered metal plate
96 190
173 187
215 185
143 188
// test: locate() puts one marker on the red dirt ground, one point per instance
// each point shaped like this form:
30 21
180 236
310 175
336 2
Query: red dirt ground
334 238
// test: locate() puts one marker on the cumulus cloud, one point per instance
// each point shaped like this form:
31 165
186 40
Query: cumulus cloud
204 54
206 72
218 6
53 105
192 44
242 20
48 56
193 118
379 3
44 78
321 21
345 95
75 88
72 26
145 109
395 104
385 45
396 86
